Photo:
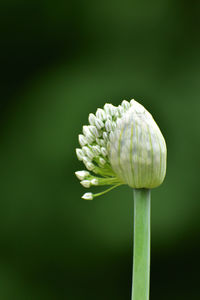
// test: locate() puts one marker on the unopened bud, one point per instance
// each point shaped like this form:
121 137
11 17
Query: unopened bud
86 183
82 174
138 150
87 196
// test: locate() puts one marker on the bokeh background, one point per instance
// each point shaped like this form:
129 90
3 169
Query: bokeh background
61 60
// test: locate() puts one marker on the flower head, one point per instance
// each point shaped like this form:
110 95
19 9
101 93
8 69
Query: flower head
121 145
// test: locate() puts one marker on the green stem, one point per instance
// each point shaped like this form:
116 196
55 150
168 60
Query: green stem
106 191
141 257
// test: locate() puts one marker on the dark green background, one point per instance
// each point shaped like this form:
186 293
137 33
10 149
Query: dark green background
60 60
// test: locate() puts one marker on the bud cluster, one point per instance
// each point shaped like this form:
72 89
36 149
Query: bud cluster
121 145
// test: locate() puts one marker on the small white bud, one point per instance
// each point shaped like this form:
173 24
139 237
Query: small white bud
86 183
93 130
102 161
109 109
90 166
87 196
88 152
125 104
85 130
100 113
79 154
82 140
92 119
81 175
109 117
108 125
94 181
99 124
105 136
120 110
102 143
86 159
84 150
104 151
114 111
117 115
90 138
96 150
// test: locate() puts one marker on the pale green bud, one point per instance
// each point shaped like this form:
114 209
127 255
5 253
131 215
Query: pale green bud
137 150
102 161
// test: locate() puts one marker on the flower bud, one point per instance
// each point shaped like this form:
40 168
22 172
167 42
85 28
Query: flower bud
81 175
94 181
101 114
102 161
86 183
122 145
99 124
88 152
92 119
79 154
109 109
137 150
96 150
82 140
104 151
125 104
90 137
87 196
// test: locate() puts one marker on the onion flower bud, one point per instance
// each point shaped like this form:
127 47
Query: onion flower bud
122 145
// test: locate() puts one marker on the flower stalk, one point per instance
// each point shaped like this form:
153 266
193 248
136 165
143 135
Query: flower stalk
141 244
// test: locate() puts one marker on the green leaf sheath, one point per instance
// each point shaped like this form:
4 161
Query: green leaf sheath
141 254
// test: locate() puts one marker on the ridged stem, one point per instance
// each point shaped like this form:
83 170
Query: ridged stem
141 252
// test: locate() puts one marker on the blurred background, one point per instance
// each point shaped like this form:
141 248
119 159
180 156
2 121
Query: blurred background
60 60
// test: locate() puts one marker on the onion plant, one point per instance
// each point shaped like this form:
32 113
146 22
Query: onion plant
124 145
